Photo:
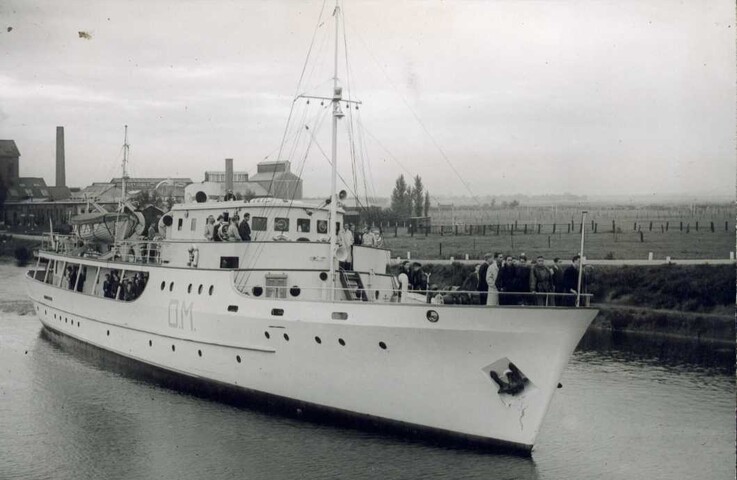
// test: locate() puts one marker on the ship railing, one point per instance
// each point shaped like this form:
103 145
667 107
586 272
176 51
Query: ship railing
447 297
58 243
135 251
127 251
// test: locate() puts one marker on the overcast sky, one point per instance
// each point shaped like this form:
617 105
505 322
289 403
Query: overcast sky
587 97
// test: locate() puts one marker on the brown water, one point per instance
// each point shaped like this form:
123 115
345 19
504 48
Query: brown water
630 408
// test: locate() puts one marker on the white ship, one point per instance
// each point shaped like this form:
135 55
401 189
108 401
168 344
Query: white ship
277 318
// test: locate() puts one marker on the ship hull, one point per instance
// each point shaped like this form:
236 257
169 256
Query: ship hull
379 363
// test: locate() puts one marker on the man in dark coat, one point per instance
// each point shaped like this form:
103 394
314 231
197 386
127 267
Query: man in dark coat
540 281
522 280
505 282
556 277
244 229
483 287
570 280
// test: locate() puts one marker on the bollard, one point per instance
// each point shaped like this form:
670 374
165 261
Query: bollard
667 259
466 256
650 256
409 255
452 259
731 255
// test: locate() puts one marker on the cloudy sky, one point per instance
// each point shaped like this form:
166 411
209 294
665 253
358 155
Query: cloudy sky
489 97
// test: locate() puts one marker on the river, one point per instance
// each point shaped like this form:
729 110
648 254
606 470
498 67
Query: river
630 407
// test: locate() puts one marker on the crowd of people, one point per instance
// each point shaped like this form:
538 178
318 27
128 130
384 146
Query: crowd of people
507 280
504 280
127 288
228 229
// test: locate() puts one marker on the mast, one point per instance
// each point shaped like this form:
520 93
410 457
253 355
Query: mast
125 165
337 113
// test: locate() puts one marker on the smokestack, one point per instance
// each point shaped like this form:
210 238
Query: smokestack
61 180
228 174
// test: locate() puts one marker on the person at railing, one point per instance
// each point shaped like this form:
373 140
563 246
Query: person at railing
417 278
492 273
540 283
570 280
244 229
71 277
556 279
81 277
210 228
107 287
216 229
483 287
468 288
233 235
505 282
152 230
378 240
345 239
436 298
367 238
403 281
522 280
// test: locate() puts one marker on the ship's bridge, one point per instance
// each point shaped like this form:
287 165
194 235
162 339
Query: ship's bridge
270 219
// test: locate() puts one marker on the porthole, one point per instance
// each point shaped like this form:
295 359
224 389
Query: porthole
317 339
286 337
108 333
171 287
199 290
173 348
212 289
150 343
232 308
382 345
199 353
295 291
163 285
238 358
432 316
323 276
376 294
341 342
266 334
257 291
189 288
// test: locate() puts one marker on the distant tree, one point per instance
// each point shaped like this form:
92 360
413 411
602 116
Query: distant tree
400 197
514 204
493 202
427 204
418 195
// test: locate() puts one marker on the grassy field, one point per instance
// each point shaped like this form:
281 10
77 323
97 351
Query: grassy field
628 245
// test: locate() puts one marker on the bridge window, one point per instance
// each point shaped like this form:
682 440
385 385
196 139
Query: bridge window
180 222
258 224
281 224
193 224
303 225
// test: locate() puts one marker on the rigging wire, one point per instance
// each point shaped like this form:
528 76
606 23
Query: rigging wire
419 121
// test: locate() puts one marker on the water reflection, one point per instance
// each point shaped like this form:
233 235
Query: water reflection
712 357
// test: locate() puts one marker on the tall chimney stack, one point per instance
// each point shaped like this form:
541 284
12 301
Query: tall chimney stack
61 180
228 174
